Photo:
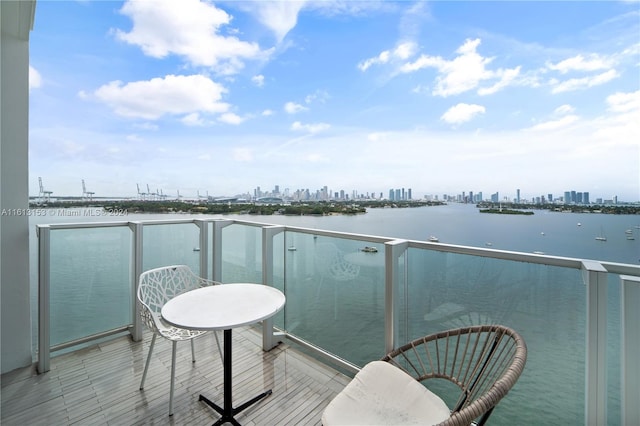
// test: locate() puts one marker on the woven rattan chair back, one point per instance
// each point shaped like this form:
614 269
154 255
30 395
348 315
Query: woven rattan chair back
483 361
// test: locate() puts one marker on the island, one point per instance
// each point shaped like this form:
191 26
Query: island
506 211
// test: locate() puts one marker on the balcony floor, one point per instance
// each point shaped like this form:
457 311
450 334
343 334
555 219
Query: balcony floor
100 385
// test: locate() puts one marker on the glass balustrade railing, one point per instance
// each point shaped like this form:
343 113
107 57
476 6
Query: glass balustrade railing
90 284
335 295
171 244
545 304
354 296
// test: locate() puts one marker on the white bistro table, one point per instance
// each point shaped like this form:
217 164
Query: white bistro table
224 307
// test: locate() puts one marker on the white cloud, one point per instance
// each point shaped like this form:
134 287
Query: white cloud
316 157
564 109
462 113
507 77
35 80
624 102
193 119
584 82
403 51
188 28
146 126
377 136
463 73
294 108
244 155
579 63
231 118
310 128
318 96
279 16
267 112
555 124
258 80
173 95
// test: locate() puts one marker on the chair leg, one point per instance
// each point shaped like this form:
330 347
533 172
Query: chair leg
173 375
146 365
193 352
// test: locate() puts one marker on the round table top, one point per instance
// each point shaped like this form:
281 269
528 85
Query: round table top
222 307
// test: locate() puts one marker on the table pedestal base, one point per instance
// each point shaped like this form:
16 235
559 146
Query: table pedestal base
228 417
228 411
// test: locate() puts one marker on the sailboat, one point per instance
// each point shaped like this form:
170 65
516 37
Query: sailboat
601 237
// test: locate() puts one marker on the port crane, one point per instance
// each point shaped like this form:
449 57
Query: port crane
43 196
86 195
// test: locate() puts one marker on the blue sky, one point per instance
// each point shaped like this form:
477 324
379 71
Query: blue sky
441 97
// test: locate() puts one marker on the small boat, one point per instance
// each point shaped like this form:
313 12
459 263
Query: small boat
542 233
196 249
601 238
628 231
434 239
368 249
488 244
538 252
292 248
579 224
630 237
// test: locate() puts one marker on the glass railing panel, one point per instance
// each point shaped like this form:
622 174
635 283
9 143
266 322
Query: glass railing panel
171 244
545 304
335 295
242 254
90 284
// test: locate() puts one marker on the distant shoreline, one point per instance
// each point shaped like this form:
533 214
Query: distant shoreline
506 211
320 208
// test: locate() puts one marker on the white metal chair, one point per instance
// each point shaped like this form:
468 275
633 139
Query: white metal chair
484 362
155 288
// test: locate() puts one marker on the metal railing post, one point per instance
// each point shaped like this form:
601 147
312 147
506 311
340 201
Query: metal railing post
136 271
203 226
268 234
595 278
216 256
392 252
630 349
44 311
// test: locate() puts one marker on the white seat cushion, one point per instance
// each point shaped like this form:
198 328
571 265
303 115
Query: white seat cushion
381 394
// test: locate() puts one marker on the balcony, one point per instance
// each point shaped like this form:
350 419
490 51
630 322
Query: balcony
578 317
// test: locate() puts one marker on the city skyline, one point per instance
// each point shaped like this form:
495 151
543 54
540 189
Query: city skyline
147 192
197 96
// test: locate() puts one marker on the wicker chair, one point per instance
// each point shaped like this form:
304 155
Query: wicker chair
155 288
484 362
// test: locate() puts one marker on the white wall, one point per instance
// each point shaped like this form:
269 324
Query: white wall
14 184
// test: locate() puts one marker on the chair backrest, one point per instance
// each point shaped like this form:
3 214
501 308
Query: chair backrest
159 285
483 361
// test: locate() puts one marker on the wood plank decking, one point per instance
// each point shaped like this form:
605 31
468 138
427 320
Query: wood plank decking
100 385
